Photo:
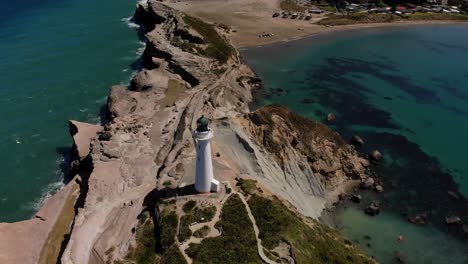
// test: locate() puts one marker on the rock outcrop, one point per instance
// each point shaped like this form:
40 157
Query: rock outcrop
82 134
303 154
147 142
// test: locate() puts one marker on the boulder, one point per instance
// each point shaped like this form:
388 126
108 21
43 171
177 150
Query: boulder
341 196
378 188
418 219
364 162
373 209
105 136
453 220
120 102
142 81
331 117
375 155
357 141
356 198
368 183
82 134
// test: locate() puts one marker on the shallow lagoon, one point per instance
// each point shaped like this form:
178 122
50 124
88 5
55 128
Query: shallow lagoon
405 92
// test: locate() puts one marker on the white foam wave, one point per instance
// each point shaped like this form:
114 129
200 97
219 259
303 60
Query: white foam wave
50 190
129 22
140 51
101 100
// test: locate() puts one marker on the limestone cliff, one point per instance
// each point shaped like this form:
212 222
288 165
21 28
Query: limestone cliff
146 149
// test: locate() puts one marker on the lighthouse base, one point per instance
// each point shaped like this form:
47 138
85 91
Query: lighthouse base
214 185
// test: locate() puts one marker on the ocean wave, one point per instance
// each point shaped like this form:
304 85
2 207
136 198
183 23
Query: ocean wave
140 50
129 22
101 100
47 192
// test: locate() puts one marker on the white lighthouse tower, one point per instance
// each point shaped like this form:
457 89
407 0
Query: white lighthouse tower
204 180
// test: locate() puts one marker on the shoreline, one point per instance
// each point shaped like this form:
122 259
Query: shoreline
135 196
324 30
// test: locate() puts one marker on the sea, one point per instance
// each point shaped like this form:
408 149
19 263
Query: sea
404 91
58 58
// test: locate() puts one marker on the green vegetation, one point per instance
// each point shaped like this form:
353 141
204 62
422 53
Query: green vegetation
237 243
357 18
202 232
151 247
248 186
174 89
168 227
183 45
172 256
194 215
188 206
291 6
330 9
365 18
317 244
437 16
145 249
218 47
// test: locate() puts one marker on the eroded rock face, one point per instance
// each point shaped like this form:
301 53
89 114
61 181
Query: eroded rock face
120 102
146 80
146 143
301 159
82 134
322 150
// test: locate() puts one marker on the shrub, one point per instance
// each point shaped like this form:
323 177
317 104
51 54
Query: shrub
317 244
195 215
202 232
188 206
145 248
173 256
218 47
168 229
237 243
248 186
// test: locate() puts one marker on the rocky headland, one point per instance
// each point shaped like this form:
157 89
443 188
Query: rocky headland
143 157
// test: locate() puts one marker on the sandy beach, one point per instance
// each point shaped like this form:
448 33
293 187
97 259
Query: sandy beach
249 19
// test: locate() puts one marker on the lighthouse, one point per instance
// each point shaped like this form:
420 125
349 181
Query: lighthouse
204 180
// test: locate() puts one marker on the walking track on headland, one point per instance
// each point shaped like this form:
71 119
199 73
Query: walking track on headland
261 253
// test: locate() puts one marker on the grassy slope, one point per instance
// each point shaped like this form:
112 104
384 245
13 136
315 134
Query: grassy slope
365 18
319 244
218 47
193 214
174 89
237 243
248 186
148 243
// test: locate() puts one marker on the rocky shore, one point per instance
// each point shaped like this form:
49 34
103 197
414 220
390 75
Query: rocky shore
146 147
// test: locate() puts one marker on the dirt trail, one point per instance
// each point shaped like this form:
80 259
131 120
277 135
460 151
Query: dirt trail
261 253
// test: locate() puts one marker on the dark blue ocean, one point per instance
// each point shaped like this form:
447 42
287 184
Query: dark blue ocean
405 92
57 61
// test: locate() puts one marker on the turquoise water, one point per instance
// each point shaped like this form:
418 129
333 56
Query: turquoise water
57 61
405 92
